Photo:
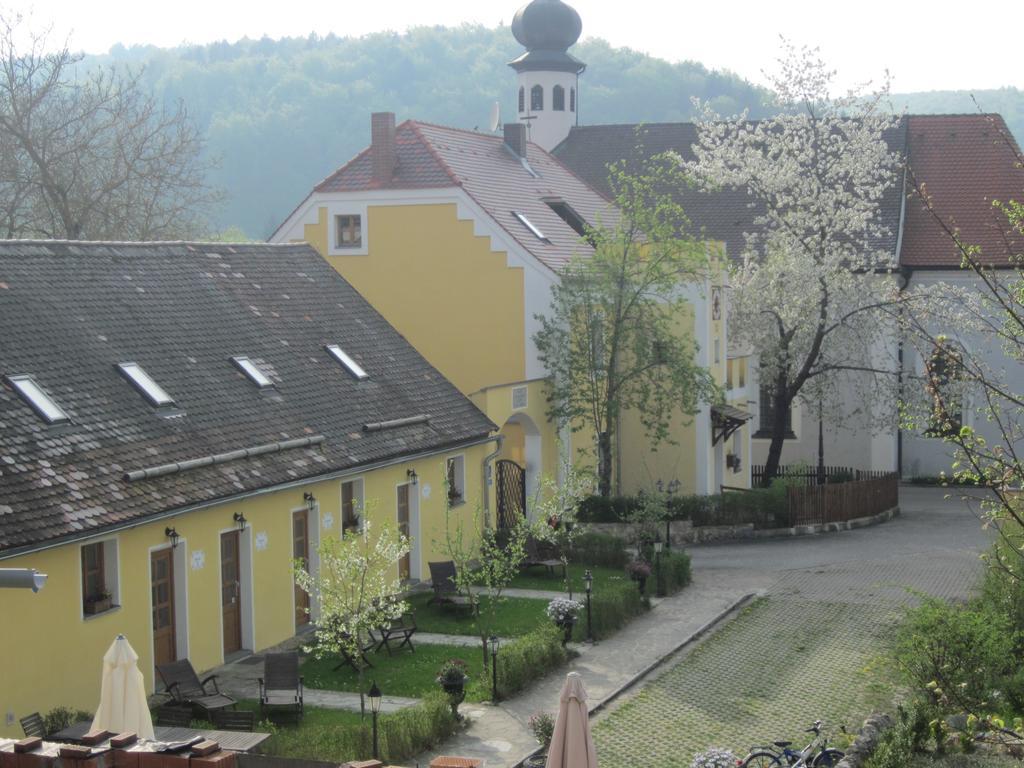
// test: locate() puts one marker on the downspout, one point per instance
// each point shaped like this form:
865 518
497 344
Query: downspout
487 475
905 274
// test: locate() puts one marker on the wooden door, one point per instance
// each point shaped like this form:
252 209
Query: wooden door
403 528
162 584
300 551
231 591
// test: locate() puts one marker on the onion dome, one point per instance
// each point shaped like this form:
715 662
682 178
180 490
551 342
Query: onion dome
547 28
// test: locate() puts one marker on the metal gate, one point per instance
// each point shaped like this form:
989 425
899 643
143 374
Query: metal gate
511 493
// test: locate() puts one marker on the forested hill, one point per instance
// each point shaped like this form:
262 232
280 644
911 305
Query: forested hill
282 114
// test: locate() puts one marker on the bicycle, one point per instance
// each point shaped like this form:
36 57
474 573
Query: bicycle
817 754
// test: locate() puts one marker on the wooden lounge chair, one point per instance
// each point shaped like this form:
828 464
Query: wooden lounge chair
401 629
174 716
534 556
281 684
442 578
184 685
233 720
33 725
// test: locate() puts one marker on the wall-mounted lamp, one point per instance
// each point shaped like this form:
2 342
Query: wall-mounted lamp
412 476
240 520
173 535
310 500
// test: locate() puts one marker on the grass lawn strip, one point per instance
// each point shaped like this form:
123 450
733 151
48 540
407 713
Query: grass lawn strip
515 616
767 675
539 578
405 674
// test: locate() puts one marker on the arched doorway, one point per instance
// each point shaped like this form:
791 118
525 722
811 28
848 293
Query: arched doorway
518 469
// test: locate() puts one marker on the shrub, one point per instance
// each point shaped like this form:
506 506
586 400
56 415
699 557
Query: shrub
528 658
612 606
764 507
543 726
605 509
59 718
906 737
956 654
673 572
415 729
599 549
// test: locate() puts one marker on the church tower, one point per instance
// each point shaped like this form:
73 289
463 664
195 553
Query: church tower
548 89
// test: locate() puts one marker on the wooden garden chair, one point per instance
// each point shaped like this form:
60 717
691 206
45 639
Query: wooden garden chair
281 684
442 578
401 629
534 556
33 725
185 687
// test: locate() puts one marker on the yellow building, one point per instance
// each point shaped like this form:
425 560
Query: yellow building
457 238
178 423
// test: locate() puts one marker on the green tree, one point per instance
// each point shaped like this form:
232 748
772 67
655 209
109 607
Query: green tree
613 340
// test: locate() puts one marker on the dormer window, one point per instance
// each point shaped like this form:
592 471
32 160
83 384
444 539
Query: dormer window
558 98
565 212
530 226
40 402
350 365
537 98
145 384
348 231
252 371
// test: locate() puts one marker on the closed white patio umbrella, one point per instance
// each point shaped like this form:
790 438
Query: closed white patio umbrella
571 743
123 704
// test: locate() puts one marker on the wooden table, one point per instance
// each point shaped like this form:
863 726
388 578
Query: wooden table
236 741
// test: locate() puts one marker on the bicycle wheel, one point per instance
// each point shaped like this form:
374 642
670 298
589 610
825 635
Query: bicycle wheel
827 758
761 760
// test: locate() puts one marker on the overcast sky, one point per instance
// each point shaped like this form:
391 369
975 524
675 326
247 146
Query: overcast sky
926 46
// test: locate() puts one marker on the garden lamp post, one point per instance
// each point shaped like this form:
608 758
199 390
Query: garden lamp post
375 701
495 642
658 588
588 581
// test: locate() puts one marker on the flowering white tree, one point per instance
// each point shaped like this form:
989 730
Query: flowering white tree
808 299
357 588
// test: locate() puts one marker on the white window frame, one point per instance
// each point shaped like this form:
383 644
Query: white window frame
358 502
533 228
459 460
253 372
38 399
111 575
145 384
340 209
347 362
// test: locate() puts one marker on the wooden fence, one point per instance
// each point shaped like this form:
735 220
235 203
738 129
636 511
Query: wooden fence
839 502
811 476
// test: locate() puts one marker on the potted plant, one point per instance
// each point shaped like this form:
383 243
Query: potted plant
98 603
639 571
543 726
563 612
452 679
352 525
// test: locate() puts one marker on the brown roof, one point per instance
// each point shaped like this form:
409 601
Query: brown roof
433 156
965 163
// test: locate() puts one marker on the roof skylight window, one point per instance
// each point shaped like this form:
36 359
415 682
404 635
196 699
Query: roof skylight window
249 368
40 402
570 217
353 367
531 226
145 384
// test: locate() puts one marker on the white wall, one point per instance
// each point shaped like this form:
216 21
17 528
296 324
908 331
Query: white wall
547 127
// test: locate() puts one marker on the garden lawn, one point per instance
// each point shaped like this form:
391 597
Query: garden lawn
405 674
515 616
539 578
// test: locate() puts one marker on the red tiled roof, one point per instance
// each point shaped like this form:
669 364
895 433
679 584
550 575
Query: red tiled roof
433 156
965 163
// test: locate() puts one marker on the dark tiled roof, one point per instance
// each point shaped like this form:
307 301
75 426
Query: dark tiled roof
725 215
71 311
965 162
437 156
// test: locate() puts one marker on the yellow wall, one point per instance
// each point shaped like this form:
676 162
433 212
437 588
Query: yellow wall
442 287
50 655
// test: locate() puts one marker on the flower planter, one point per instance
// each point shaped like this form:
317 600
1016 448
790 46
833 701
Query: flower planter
566 627
97 606
456 692
536 761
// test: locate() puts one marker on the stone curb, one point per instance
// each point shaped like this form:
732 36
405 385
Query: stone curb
734 607
803 530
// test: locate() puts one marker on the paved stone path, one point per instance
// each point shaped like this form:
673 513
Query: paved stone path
810 648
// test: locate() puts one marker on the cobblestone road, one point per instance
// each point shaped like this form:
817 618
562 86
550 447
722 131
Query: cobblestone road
805 651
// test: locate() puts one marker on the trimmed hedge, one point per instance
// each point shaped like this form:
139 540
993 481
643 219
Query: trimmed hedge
599 549
612 607
764 507
402 734
673 573
529 657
